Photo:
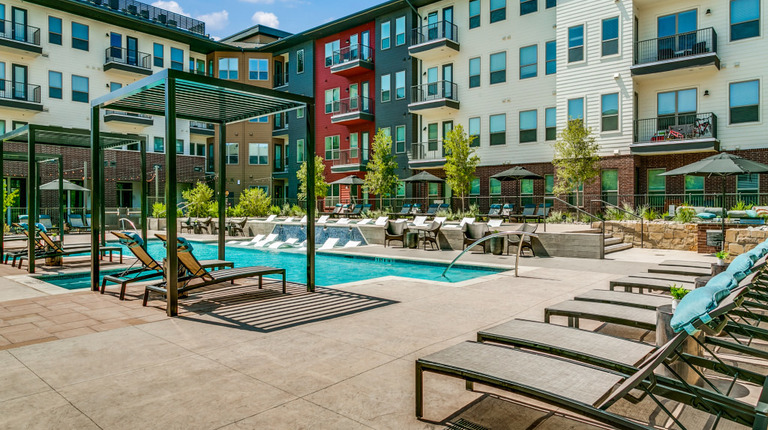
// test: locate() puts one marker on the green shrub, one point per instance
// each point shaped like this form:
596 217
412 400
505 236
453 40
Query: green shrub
678 292
213 209
555 217
158 210
255 202
274 210
296 210
741 206
613 214
235 211
685 215
198 199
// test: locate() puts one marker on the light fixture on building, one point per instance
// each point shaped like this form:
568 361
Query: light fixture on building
708 12
706 93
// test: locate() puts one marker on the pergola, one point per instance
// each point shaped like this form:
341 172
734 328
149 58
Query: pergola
32 135
176 95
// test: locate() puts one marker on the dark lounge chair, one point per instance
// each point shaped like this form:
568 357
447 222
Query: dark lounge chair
475 231
494 211
405 210
238 227
431 235
355 212
52 249
514 241
529 211
542 212
395 231
76 223
18 253
432 209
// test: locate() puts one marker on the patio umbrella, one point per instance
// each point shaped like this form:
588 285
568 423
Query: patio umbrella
516 174
68 186
349 181
721 165
424 177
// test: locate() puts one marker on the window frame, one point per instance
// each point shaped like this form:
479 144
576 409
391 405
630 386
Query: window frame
577 48
550 132
177 65
604 117
51 88
80 93
500 137
400 144
78 42
386 89
524 3
500 72
476 76
227 73
548 60
229 157
53 37
500 12
568 112
731 24
335 150
616 40
335 103
742 106
299 151
398 88
534 65
155 141
398 20
475 20
259 155
259 72
155 57
300 61
386 35
528 135
491 183
474 143
648 175
334 47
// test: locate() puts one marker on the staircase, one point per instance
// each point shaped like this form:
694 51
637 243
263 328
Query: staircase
615 244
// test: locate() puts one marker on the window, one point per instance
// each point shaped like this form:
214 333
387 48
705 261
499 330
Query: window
114 86
79 36
474 188
400 31
332 100
54 30
332 148
200 149
551 3
400 139
400 189
386 88
300 150
385 35
180 146
526 190
177 59
474 14
261 119
676 108
694 190
299 61
258 69
354 145
609 184
528 62
575 109
18 124
258 153
432 137
609 112
159 145
528 6
158 54
498 129
550 124
2 126
332 53
474 132
498 10
657 184
55 85
79 89
528 125
300 113
400 85
498 67
233 153
474 72
495 186
549 184
610 36
745 19
744 101
747 187
551 60
433 189
576 43
228 68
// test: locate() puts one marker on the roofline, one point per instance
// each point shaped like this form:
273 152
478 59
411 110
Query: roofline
257 29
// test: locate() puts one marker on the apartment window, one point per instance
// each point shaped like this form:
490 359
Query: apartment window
433 189
258 154
745 19
233 153
79 36
79 89
576 43
332 100
575 109
528 126
498 129
300 113
747 187
474 187
474 132
432 137
385 35
114 86
2 126
657 184
258 69
528 62
400 85
332 53
200 149
498 67
299 61
158 54
177 59
609 110
354 146
261 119
549 184
550 124
474 72
400 31
386 88
55 85
300 150
498 10
54 30
159 145
551 60
528 6
332 148
526 190
228 68
610 36
474 14
495 186
551 3
180 146
609 185
400 139
744 102
18 124
694 190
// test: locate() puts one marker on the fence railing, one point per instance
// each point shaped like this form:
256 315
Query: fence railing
689 126
435 31
152 13
434 91
355 104
130 114
351 53
350 156
128 57
431 150
201 125
19 91
676 46
19 32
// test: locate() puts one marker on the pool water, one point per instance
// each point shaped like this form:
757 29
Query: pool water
330 269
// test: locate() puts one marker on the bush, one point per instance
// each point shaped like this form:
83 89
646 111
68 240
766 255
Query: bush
213 209
158 210
254 202
685 216
741 206
236 211
274 210
198 199
555 217
296 211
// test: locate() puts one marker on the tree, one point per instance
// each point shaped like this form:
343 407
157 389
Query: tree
381 177
254 202
321 187
576 158
9 199
198 199
460 162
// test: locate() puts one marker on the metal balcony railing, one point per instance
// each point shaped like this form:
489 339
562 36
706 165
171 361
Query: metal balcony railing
281 122
434 91
431 150
345 157
131 114
676 46
351 53
676 127
128 57
436 31
10 90
202 125
354 104
152 13
19 32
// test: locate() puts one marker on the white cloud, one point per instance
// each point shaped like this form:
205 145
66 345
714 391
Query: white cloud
215 20
266 18
170 6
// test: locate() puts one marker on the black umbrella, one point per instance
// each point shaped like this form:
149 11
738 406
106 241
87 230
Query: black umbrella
515 174
722 165
348 180
424 177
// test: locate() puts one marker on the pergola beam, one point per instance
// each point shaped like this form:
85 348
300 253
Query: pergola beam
172 262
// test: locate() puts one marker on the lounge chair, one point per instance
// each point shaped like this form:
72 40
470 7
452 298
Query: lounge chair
344 211
514 241
303 220
329 243
322 220
352 244
405 210
432 209
188 225
270 218
256 239
287 244
266 241
464 221
494 211
342 221
440 219
52 249
287 220
542 212
474 232
46 221
680 270
18 253
507 210
529 211
629 283
495 222
419 220
431 235
382 220
336 209
415 209
395 231
364 221
200 277
355 212
76 223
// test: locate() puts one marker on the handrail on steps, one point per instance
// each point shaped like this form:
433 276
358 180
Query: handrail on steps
642 230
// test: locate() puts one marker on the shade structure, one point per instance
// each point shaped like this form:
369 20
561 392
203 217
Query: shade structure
515 174
722 165
68 186
424 176
348 180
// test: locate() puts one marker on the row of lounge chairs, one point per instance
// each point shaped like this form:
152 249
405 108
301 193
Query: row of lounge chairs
46 247
530 212
348 210
77 222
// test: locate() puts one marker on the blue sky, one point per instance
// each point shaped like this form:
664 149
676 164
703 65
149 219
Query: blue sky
225 17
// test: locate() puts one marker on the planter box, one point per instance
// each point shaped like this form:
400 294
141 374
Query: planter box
156 223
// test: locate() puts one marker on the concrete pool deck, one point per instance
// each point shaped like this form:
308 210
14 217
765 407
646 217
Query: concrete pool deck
240 358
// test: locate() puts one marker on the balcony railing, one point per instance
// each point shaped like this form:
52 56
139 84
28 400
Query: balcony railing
281 80
281 122
201 125
434 91
678 46
354 104
128 114
128 57
436 31
693 126
346 157
423 151
152 13
350 53
17 91
19 33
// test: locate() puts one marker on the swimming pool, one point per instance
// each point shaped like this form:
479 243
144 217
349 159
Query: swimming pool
330 269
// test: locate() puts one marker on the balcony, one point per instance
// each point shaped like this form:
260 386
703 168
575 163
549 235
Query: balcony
684 51
20 96
349 160
151 13
128 118
435 41
281 80
351 60
128 61
426 155
20 37
201 128
675 134
280 125
433 97
352 111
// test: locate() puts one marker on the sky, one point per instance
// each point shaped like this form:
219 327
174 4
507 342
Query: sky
226 17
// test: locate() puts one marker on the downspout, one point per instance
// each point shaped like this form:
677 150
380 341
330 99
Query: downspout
416 11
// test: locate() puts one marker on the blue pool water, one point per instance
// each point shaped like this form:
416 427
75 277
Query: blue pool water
330 269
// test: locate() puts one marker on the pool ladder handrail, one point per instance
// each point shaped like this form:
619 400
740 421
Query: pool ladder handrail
124 220
522 235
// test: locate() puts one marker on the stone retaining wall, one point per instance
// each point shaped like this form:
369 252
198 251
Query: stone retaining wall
742 240
658 235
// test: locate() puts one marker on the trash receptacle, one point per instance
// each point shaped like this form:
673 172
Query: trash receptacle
714 238
412 239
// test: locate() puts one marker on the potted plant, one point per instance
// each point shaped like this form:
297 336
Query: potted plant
677 294
721 257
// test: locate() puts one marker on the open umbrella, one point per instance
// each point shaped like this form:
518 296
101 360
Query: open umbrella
722 165
424 177
68 186
348 180
516 174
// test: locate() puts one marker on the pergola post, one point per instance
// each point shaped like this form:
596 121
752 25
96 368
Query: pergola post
309 156
96 202
62 196
31 199
172 262
5 189
144 187
102 190
222 185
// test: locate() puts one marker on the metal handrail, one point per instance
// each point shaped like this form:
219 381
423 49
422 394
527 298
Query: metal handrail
434 91
578 209
129 57
350 53
19 32
642 220
19 91
520 233
152 13
676 46
435 31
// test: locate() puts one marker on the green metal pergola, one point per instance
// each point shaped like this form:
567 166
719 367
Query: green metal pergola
33 135
176 95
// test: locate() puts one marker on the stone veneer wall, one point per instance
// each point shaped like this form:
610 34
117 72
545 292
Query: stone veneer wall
742 240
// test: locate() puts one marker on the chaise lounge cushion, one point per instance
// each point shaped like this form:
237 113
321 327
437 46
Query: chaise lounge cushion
697 304
740 267
706 215
134 237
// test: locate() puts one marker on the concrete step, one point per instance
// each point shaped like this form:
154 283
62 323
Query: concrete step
618 247
609 241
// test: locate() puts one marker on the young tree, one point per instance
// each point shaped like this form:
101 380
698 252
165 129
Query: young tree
381 177
321 187
254 202
460 162
576 158
198 199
